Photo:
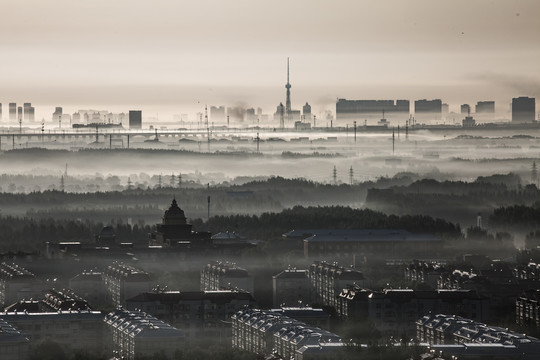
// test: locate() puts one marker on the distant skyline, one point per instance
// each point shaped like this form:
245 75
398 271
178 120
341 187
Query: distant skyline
174 57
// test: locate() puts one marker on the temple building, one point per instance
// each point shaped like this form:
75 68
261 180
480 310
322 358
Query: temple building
175 231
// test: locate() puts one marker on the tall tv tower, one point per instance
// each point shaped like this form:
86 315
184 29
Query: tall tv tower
288 100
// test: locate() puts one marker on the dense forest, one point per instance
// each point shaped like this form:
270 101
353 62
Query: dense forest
455 201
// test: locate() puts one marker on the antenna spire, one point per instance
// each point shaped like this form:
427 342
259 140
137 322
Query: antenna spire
287 70
288 98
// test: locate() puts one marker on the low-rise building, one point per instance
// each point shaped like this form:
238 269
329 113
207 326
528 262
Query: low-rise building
199 314
267 333
290 287
137 334
369 245
425 272
52 300
443 329
306 314
327 280
394 311
528 308
219 275
13 344
17 283
73 330
90 286
123 282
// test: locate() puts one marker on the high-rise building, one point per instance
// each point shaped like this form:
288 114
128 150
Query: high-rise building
135 119
465 109
0 111
12 111
523 109
362 109
485 107
28 110
57 114
217 114
19 113
279 115
306 111
428 109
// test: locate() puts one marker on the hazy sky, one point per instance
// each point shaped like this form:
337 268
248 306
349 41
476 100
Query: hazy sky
176 55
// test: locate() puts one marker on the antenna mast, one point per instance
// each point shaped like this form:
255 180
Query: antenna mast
288 99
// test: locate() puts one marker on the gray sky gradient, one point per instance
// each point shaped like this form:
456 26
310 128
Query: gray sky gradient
176 55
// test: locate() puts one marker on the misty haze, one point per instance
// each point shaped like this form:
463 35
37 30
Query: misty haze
269 180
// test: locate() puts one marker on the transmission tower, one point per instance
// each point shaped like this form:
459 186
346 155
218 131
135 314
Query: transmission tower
173 180
351 175
159 181
180 180
334 175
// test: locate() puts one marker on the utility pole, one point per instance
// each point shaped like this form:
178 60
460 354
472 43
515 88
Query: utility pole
208 201
407 130
257 139
355 131
393 141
